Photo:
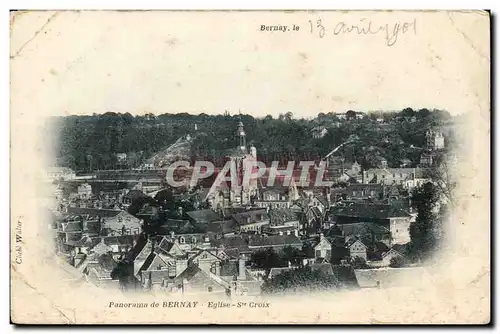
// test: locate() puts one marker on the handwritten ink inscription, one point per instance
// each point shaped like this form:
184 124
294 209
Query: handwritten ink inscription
283 28
390 32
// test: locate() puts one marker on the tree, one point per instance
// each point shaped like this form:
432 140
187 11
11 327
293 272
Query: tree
300 280
124 273
425 231
292 255
359 263
267 259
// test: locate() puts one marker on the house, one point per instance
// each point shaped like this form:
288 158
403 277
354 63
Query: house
60 174
195 281
319 132
209 274
69 233
190 241
151 261
418 178
98 270
313 218
323 249
203 216
392 217
284 217
238 242
84 190
280 230
123 223
392 176
121 158
219 229
369 233
357 248
377 250
397 250
434 140
253 220
118 246
276 197
427 159
273 272
277 242
365 190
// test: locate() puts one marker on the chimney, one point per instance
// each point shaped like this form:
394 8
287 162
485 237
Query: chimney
179 210
241 268
172 234
296 232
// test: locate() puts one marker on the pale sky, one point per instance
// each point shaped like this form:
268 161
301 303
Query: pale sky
159 62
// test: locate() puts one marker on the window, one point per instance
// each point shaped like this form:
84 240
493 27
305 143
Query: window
193 240
318 253
182 240
210 289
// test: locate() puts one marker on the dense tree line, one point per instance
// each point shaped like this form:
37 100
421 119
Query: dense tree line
428 229
92 142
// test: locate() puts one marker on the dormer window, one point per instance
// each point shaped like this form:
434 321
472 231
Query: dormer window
182 240
193 240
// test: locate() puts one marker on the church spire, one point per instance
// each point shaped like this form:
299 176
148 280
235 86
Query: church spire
241 135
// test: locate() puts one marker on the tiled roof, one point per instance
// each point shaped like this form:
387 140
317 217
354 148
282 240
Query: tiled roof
233 242
122 240
93 212
250 217
178 227
101 248
204 215
368 210
363 228
233 253
73 227
401 249
280 216
274 240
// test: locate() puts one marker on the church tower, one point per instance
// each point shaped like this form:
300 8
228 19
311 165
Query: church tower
242 137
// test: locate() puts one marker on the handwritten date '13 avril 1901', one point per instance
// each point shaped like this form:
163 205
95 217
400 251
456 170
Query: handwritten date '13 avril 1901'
391 32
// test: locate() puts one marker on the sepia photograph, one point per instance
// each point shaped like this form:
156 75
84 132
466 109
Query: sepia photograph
250 167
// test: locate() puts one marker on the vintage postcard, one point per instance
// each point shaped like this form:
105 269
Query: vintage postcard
250 167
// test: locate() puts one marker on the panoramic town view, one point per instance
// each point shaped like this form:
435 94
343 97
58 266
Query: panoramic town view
229 204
